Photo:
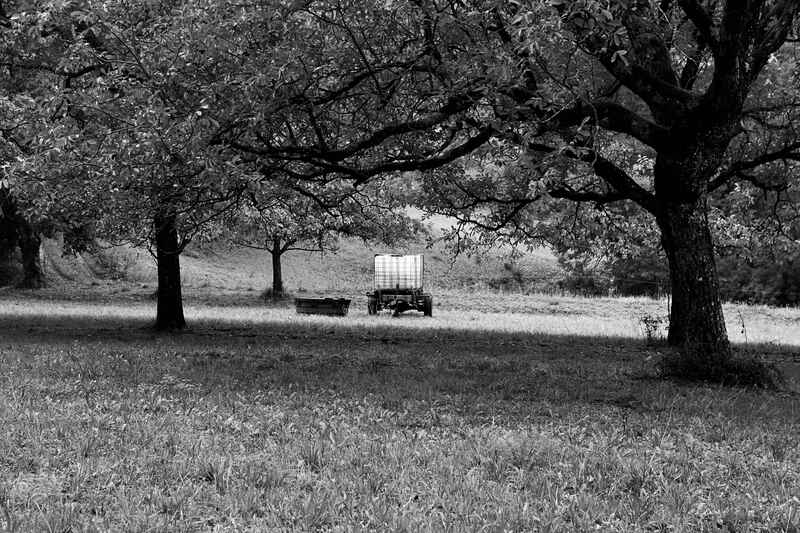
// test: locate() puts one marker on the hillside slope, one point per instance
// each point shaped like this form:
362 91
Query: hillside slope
348 269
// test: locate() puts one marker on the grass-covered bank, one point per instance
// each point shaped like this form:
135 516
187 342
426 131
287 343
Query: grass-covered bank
259 420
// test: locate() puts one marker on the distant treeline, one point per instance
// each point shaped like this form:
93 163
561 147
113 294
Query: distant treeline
764 280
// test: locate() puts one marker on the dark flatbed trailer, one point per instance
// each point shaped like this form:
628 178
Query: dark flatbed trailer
322 306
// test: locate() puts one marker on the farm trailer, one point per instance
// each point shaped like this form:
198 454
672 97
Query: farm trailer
398 285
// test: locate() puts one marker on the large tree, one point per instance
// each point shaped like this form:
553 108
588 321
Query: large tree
569 93
28 60
686 83
116 132
44 49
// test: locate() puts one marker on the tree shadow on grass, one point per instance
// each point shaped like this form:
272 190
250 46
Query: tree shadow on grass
498 373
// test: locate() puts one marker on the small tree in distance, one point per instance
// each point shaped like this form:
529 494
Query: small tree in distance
280 219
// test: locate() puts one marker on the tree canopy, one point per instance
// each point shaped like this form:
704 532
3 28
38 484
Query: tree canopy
668 120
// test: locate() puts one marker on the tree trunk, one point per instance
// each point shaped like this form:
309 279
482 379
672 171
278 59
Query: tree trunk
277 270
8 245
696 322
8 239
9 263
30 244
169 314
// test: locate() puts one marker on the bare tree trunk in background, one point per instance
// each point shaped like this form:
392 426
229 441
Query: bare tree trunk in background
277 270
30 244
8 245
8 239
169 314
15 231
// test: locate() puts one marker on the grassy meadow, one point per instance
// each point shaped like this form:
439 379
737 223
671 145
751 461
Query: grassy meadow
503 412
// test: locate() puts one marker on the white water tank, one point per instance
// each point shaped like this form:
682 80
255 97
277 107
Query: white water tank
398 272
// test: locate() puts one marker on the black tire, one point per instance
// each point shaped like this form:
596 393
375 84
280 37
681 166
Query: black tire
427 306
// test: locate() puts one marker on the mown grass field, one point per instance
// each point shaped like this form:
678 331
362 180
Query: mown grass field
501 413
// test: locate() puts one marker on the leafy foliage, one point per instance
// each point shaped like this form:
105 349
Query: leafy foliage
297 221
682 111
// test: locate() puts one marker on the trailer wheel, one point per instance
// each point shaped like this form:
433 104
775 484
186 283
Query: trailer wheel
427 305
372 306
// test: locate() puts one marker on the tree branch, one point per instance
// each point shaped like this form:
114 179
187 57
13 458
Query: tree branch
776 26
702 21
647 71
609 172
615 117
429 163
621 182
764 186
790 152
599 198
692 67
454 105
